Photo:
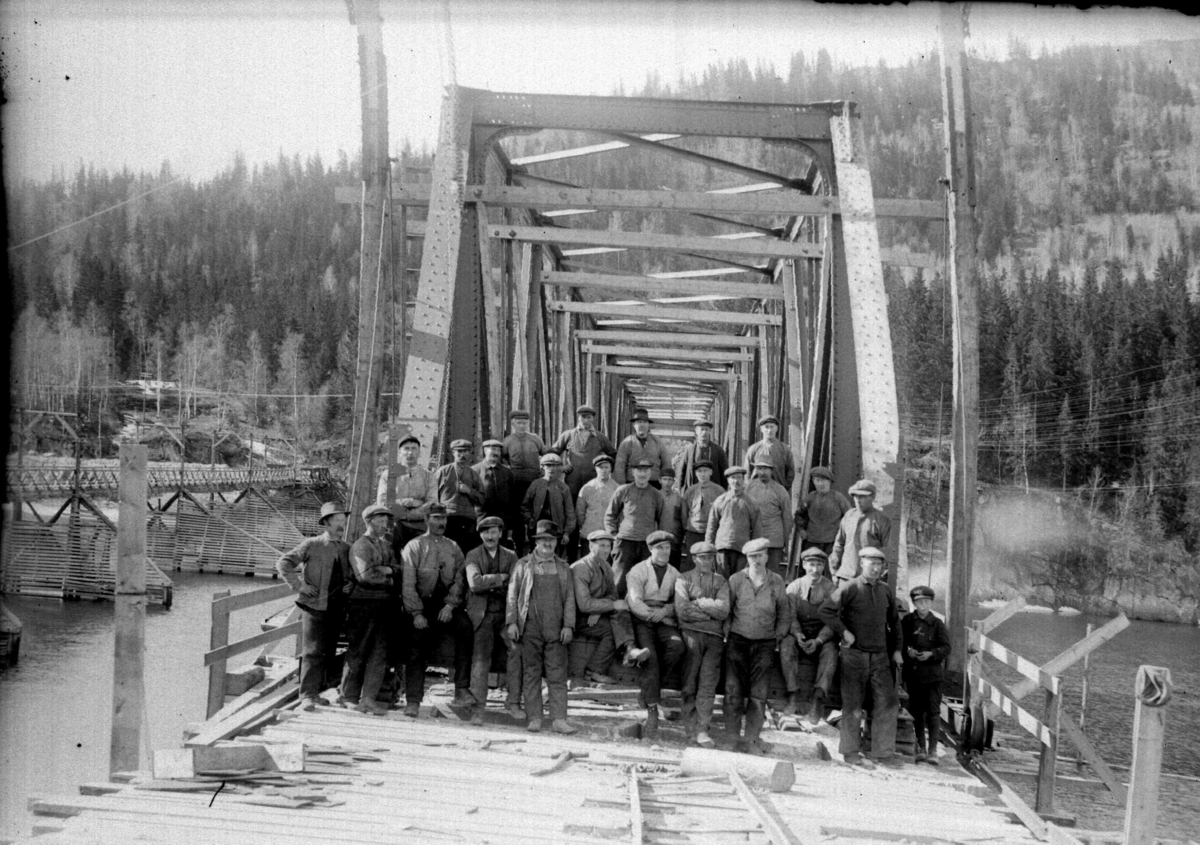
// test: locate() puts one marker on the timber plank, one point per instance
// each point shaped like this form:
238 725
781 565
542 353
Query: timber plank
212 732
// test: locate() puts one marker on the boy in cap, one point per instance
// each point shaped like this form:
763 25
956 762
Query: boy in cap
672 514
488 569
927 645
460 490
604 626
732 521
862 612
414 489
432 586
632 516
688 459
808 656
319 571
550 499
701 606
592 501
498 485
697 503
639 447
540 615
652 602
774 506
863 526
820 512
775 451
523 451
369 614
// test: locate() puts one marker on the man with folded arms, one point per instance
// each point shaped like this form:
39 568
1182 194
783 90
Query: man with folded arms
369 615
701 606
652 602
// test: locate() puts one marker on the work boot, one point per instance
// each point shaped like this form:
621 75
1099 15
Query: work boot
733 717
598 678
562 726
650 729
756 715
635 656
931 758
793 703
308 703
817 713
371 708
513 709
856 759
477 716
348 703
534 726
412 709
919 754
463 698
704 740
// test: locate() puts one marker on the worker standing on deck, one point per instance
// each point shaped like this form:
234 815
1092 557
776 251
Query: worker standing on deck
549 498
579 447
432 582
759 619
318 570
701 449
808 655
774 506
488 569
697 503
633 515
672 514
540 615
415 488
862 612
774 450
639 447
498 485
927 645
460 490
523 451
592 502
821 511
701 606
863 526
369 616
652 603
604 627
732 522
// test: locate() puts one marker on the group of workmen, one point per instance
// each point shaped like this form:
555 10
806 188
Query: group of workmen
671 574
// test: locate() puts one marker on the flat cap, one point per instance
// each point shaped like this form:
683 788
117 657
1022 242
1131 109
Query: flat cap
600 534
460 444
550 458
702 548
493 442
330 508
434 509
519 414
644 463
411 438
659 537
702 463
374 510
813 551
769 418
702 423
585 409
757 545
546 530
921 591
764 462
489 522
735 471
602 459
872 552
863 486
822 472
667 472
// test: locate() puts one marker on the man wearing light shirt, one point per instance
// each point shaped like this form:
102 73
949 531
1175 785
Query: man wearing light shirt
774 513
651 600
414 490
863 526
592 501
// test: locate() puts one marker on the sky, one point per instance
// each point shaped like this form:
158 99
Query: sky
134 84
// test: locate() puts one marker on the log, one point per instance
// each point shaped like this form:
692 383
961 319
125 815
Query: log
778 775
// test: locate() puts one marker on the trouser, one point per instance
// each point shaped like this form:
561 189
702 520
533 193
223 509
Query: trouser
701 672
487 635
423 642
925 706
593 647
626 555
319 630
814 670
690 538
732 560
666 653
676 554
367 623
571 546
809 544
544 656
862 670
747 682
461 529
521 544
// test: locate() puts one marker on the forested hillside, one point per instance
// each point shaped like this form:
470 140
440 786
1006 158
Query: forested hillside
244 286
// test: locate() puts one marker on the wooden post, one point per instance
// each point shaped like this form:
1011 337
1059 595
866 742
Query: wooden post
129 644
1153 691
1087 677
218 637
960 173
1044 803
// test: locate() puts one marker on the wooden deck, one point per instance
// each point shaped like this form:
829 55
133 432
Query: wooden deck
367 779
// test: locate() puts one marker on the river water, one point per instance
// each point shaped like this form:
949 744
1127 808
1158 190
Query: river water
55 705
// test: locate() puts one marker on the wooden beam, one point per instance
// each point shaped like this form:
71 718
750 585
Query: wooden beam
667 337
218 637
1079 739
636 828
219 655
642 240
1059 664
660 352
1152 688
649 312
129 645
656 372
229 603
1001 615
771 826
653 286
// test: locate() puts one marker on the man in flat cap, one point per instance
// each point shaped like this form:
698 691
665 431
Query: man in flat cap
549 498
863 613
652 602
701 606
732 522
632 516
604 627
820 512
774 512
759 619
540 615
369 614
672 514
318 570
863 526
414 489
579 447
488 569
808 656
926 646
460 489
701 449
498 485
697 503
432 584
774 450
592 502
641 447
523 451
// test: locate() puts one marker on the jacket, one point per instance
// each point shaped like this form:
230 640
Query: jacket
819 515
855 525
411 483
431 570
645 594
595 586
732 522
685 463
523 453
447 478
691 586
780 455
559 496
671 520
591 505
520 586
633 450
633 512
697 502
579 447
320 562
866 610
806 607
374 568
928 634
485 576
774 511
498 493
759 613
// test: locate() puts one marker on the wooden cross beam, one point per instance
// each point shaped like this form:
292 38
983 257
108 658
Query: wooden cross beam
1059 664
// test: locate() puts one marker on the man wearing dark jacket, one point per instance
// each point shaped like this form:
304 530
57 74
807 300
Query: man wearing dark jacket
488 568
499 486
927 645
808 656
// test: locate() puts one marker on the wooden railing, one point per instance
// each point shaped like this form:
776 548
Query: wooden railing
224 603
